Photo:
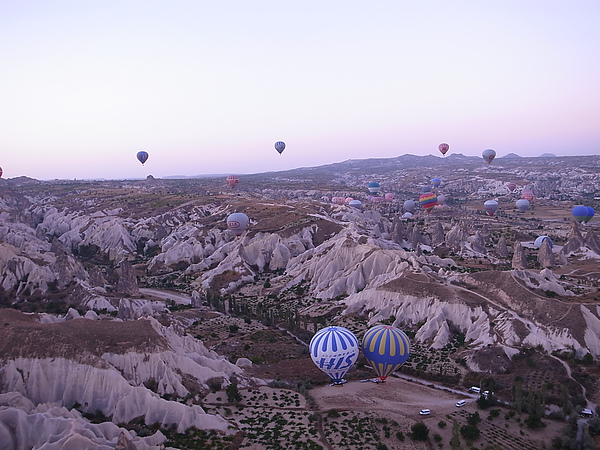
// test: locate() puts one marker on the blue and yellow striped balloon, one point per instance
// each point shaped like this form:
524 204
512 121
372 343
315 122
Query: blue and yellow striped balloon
386 348
334 350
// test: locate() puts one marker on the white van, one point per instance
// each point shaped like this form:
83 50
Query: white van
461 403
475 389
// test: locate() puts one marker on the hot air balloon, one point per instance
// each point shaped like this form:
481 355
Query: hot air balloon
425 189
389 197
436 182
142 157
488 155
409 205
334 350
522 204
591 213
511 186
1 172
374 187
538 242
443 147
441 199
232 181
280 146
428 201
355 204
528 194
238 223
407 215
580 213
490 207
386 348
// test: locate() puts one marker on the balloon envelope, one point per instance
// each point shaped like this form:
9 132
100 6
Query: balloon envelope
428 201
386 348
538 242
373 187
238 223
528 194
436 182
580 213
511 186
425 189
522 204
441 199
355 203
334 350
142 156
491 206
1 171
443 148
488 155
232 181
280 146
409 205
590 214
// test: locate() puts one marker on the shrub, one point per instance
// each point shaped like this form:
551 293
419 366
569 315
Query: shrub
419 432
470 432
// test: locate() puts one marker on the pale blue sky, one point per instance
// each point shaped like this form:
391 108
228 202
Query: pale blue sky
209 86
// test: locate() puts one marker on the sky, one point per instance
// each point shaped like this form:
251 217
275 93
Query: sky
208 87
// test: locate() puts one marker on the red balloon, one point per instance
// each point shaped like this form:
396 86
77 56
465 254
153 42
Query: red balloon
232 181
444 148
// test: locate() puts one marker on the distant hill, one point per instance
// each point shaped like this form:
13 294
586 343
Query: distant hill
511 155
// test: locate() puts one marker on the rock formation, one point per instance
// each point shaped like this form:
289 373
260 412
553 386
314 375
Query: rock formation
502 248
545 257
519 259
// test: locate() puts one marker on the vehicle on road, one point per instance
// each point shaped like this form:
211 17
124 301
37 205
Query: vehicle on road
425 412
461 403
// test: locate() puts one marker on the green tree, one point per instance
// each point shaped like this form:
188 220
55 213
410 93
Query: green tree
518 396
419 432
469 432
233 394
473 419
455 441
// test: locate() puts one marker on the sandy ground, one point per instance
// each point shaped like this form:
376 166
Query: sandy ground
395 395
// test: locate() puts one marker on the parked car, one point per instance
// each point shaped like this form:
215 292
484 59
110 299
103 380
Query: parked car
461 403
475 389
425 412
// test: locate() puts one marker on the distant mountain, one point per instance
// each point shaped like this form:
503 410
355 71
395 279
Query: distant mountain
511 155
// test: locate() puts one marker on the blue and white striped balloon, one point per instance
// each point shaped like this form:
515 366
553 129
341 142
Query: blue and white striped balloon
334 350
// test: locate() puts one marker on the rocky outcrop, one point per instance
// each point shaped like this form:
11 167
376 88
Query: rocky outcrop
545 257
575 241
103 375
519 259
437 237
592 241
456 236
502 248
126 279
477 243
